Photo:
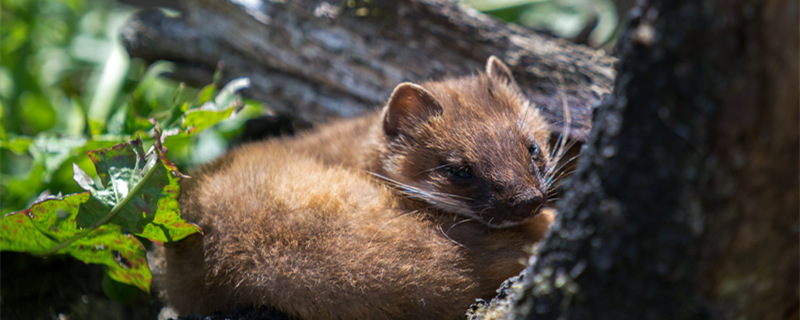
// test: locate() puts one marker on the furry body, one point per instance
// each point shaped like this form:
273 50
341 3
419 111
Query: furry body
408 213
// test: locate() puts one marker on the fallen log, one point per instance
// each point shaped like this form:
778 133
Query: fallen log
314 60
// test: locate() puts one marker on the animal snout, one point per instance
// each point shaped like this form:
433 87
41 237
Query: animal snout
527 207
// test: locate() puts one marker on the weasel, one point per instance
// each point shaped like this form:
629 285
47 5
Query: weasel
411 212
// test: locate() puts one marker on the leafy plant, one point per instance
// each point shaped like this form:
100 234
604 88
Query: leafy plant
133 197
73 108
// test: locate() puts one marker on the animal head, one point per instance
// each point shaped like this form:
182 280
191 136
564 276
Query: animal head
472 146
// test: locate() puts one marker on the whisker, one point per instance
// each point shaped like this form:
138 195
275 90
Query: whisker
458 223
557 164
430 196
561 174
556 184
434 168
557 158
560 167
560 154
562 144
451 239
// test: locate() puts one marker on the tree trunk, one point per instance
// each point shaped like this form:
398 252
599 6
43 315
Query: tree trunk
314 59
685 202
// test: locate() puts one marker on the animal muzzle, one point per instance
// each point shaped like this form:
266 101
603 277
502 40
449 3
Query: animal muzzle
526 208
514 211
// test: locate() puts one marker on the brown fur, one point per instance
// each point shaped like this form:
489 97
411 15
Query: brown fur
454 196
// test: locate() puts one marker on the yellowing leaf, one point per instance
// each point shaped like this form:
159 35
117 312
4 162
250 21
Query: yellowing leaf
48 227
137 195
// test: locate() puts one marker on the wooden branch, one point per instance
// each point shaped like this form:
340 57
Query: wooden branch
314 60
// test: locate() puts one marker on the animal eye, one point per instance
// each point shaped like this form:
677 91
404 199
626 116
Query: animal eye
458 172
533 149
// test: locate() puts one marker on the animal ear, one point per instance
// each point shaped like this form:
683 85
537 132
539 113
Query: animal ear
409 105
499 71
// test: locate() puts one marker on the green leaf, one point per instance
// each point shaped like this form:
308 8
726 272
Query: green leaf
53 151
18 145
143 188
227 96
224 106
96 127
123 254
134 121
206 93
137 193
51 222
36 111
18 190
198 120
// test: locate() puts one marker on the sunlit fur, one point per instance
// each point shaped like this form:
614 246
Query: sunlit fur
350 222
485 125
314 241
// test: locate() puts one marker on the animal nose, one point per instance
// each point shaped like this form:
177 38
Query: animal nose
526 208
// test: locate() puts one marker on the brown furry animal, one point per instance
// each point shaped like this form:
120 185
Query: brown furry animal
409 213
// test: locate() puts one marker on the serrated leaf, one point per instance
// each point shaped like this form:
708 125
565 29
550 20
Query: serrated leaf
142 189
51 222
167 224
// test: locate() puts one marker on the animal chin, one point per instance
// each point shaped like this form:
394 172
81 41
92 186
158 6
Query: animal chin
505 222
491 221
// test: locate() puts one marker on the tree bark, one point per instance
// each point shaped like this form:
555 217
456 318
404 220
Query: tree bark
314 60
685 201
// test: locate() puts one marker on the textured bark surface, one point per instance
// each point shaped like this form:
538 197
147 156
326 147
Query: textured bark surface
314 60
685 202
751 255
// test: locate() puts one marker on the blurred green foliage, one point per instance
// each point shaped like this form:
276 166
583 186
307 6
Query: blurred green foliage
67 86
564 18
